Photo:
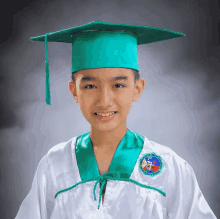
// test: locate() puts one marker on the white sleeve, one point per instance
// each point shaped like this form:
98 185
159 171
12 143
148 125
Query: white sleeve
184 197
39 202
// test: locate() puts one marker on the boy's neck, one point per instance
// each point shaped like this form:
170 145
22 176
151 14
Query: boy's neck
107 140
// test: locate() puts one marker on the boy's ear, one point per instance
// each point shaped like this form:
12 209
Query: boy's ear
72 88
139 88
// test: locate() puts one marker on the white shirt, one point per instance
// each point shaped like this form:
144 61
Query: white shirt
161 185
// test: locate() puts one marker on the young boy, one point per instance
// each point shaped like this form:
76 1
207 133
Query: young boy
111 172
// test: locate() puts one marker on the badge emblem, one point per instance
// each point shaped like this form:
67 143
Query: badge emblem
151 164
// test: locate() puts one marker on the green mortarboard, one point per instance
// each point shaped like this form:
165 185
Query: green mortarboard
104 45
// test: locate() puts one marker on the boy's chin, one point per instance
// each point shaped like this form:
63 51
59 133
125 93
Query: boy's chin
104 127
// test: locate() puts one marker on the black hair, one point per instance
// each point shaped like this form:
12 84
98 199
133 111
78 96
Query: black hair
136 75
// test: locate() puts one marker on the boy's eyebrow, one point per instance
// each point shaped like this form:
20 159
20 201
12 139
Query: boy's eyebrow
89 78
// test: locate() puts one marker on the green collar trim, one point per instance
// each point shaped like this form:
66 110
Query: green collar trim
123 161
103 180
121 167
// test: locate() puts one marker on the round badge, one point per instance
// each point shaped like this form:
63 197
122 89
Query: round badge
151 164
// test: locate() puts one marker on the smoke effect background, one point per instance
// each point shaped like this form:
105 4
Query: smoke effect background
179 107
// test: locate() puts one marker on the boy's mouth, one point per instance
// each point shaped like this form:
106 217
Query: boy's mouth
105 114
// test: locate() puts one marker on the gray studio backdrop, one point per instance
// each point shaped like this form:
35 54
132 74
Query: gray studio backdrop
179 107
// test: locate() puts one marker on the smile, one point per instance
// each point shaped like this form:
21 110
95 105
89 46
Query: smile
105 116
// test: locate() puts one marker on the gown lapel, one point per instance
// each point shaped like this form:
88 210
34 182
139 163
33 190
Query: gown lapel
123 161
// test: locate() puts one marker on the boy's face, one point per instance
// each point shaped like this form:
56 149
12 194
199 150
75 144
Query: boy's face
106 94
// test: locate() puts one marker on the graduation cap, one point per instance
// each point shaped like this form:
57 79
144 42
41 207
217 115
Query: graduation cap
101 44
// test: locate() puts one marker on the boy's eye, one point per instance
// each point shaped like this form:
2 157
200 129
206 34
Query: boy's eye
94 85
88 85
120 84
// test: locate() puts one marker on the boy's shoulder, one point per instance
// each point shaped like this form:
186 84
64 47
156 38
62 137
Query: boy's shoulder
169 156
62 148
61 156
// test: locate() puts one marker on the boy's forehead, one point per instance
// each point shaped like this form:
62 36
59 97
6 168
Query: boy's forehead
104 74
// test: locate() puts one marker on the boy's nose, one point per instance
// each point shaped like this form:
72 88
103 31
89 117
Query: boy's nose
105 97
